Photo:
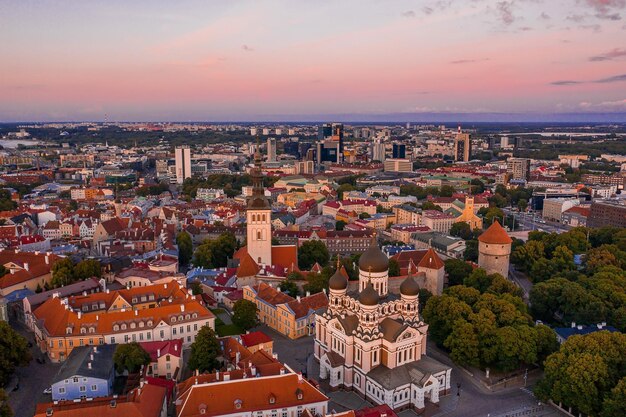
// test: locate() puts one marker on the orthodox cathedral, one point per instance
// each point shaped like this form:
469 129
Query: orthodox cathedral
374 342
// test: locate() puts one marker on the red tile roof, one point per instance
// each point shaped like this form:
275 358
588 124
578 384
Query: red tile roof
495 234
165 347
255 338
431 260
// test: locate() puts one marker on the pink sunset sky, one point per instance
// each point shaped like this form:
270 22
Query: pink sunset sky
225 60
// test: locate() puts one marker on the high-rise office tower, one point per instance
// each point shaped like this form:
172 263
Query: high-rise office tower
378 150
462 146
182 156
519 168
399 151
271 150
330 143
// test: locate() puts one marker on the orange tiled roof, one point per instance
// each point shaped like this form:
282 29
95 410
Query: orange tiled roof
247 395
247 266
56 318
144 402
271 295
495 234
37 266
313 302
285 256
431 260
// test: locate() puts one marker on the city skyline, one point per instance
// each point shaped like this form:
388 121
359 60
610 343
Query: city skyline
273 61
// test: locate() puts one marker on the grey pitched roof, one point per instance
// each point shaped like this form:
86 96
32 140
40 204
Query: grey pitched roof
416 372
78 360
391 328
349 323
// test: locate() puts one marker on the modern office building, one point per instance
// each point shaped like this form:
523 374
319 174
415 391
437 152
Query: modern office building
271 149
398 165
399 151
519 168
182 156
378 150
462 146
330 143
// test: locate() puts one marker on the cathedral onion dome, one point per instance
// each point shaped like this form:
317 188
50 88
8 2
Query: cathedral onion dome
369 296
338 281
409 287
373 259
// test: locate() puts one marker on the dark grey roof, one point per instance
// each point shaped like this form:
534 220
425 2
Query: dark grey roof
391 328
78 360
76 288
416 372
349 323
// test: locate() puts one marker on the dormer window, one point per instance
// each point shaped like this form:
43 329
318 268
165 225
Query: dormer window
133 325
124 326
194 315
238 404
68 330
272 399
141 324
83 330
299 394
116 327
149 323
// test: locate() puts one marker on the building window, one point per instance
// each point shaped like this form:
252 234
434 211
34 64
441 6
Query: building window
94 388
82 388
62 390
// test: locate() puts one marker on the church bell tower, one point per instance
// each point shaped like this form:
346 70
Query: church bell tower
259 217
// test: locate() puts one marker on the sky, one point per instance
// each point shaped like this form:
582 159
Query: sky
266 59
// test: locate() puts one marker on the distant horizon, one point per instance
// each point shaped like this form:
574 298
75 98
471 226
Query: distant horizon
352 118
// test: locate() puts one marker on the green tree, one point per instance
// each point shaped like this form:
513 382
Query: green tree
203 256
185 247
310 252
196 288
446 191
73 205
130 357
245 314
479 280
62 272
526 255
364 215
614 404
477 186
522 204
340 225
429 205
441 312
5 408
492 214
343 190
463 344
289 287
462 230
471 250
87 268
205 350
394 268
457 271
13 352
600 257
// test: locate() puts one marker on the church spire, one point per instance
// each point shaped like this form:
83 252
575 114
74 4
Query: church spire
258 199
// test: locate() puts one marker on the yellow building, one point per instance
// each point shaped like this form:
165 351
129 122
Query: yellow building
468 216
292 317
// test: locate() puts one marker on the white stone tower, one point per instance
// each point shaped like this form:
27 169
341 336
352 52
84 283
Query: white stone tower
259 218
494 250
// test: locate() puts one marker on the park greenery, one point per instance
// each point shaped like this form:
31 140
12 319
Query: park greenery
245 314
230 183
588 373
579 276
204 351
214 253
130 357
484 323
6 204
65 272
14 352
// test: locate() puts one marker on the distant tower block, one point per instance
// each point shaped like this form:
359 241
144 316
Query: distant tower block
494 250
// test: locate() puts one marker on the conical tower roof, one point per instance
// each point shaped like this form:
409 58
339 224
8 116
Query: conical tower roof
495 234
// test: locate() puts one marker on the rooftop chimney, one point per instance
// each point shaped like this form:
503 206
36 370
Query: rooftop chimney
158 353
91 357
26 266
89 365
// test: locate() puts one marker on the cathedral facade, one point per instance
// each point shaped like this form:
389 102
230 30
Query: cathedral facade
374 342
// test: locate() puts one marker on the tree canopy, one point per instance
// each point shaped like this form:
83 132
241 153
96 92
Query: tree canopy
65 272
245 314
588 373
205 351
310 252
185 247
216 252
13 352
130 357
